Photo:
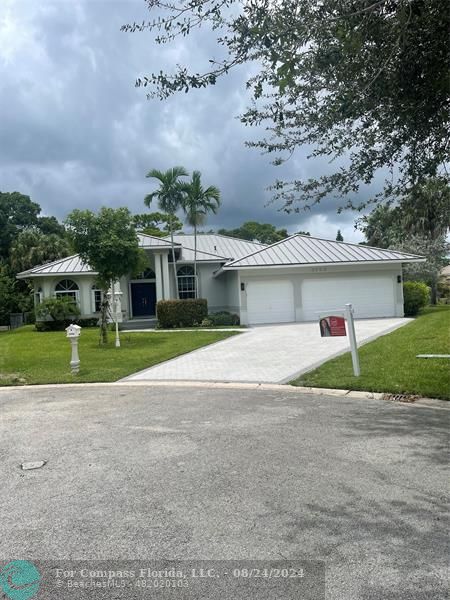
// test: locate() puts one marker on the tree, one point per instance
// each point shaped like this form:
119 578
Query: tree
108 242
339 236
418 224
434 250
170 199
31 248
17 212
364 82
265 233
197 203
157 223
49 225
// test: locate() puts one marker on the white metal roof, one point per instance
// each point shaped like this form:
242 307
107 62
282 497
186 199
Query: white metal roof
306 250
70 265
187 255
219 245
151 241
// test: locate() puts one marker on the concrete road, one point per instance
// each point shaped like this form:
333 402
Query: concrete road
136 472
266 354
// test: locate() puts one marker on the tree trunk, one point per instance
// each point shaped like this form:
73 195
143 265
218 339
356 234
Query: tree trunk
104 319
195 261
433 287
174 261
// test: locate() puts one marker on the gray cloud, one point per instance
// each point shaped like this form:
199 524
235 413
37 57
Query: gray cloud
75 132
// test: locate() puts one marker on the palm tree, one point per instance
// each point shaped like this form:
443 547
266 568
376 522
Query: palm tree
197 203
170 198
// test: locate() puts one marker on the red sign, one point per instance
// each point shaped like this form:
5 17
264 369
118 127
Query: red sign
332 326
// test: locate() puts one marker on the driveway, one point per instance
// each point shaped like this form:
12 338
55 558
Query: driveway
140 473
267 354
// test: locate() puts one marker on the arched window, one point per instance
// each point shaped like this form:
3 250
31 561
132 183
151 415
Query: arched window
186 282
147 274
67 288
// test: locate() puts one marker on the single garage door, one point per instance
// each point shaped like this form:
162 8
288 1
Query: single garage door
270 301
371 296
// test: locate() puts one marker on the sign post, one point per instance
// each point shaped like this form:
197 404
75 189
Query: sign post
352 336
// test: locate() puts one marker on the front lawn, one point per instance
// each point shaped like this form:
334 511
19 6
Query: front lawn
28 356
389 364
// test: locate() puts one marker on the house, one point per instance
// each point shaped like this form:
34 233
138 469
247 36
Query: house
292 280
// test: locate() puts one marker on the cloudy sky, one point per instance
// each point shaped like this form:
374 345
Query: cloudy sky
76 133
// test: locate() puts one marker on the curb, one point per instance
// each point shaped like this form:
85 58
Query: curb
356 394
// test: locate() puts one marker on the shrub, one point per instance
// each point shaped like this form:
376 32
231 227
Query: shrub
60 325
224 318
57 309
416 295
181 313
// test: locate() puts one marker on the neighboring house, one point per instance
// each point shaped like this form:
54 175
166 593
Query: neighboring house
292 280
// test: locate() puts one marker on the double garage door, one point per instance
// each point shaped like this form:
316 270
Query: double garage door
272 300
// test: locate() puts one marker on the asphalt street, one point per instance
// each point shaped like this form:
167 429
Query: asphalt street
136 473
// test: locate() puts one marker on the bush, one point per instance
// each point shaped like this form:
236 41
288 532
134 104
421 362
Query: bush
57 309
181 313
223 318
416 295
60 325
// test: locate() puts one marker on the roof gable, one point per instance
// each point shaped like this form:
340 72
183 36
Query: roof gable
305 250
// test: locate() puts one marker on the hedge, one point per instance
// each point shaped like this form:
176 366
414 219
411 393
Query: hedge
181 313
416 295
223 318
61 325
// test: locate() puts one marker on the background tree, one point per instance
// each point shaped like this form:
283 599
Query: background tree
17 212
157 223
108 242
419 224
32 247
339 236
197 203
170 198
265 233
364 82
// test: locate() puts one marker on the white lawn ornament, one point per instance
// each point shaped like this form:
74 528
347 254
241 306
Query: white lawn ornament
73 333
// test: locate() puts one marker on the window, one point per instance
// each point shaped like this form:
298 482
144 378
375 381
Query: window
147 274
38 296
96 299
67 288
186 282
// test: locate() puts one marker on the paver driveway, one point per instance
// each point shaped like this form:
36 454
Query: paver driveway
268 354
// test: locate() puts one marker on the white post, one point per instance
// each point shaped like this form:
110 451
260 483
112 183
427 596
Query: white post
114 306
73 333
352 336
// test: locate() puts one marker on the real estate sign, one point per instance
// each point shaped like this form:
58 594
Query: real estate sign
332 326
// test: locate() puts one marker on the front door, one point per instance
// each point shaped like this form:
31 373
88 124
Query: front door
143 299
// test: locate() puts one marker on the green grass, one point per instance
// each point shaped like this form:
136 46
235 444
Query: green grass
389 364
30 357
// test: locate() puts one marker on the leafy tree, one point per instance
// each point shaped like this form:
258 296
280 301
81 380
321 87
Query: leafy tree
51 225
8 296
339 236
265 233
157 223
17 212
31 248
434 250
108 242
382 227
197 203
426 209
364 82
170 198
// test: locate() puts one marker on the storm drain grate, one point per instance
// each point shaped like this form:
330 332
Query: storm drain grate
408 398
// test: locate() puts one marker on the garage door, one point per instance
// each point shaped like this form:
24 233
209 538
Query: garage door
270 302
371 296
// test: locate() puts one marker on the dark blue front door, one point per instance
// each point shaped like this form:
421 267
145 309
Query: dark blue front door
143 299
